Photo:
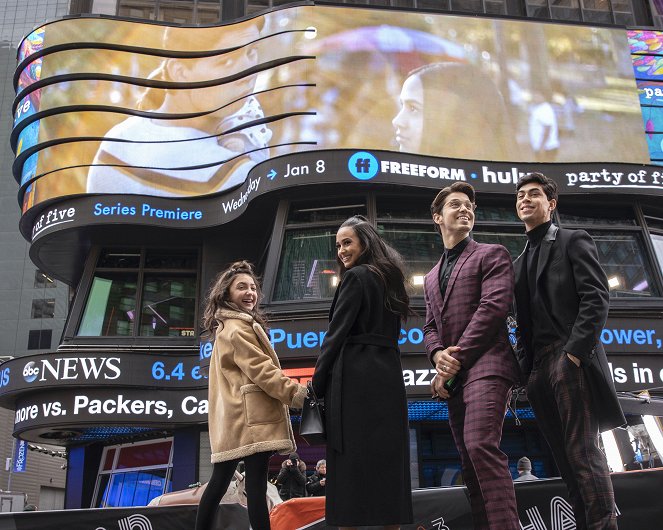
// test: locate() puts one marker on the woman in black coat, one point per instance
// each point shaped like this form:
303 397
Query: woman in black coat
359 375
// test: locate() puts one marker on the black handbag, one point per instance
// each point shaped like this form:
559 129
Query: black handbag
312 426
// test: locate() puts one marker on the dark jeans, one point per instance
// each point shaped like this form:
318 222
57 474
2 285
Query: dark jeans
256 491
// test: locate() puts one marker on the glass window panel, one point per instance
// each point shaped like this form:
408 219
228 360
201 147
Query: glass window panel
39 339
108 461
171 259
110 307
421 248
143 455
496 213
169 306
102 491
433 5
322 211
607 216
176 11
596 5
623 259
565 13
308 268
208 12
514 242
624 19
396 208
534 11
496 8
255 6
120 259
137 9
43 308
472 6
657 241
599 17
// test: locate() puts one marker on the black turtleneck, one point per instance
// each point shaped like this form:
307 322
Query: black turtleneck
543 332
451 256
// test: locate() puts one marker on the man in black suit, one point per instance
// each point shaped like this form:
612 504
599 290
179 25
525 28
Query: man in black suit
562 300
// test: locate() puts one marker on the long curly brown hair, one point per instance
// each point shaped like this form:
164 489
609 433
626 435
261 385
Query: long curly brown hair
218 297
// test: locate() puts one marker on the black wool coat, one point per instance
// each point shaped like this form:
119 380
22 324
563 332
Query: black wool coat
575 293
359 374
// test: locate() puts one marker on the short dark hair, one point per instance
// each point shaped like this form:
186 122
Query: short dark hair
439 200
456 187
549 185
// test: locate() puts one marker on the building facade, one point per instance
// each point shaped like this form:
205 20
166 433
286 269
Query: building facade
33 306
153 146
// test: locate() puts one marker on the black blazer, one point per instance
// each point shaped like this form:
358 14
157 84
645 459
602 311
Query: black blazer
574 290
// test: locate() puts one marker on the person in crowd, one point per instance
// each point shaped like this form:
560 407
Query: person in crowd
315 486
524 468
292 478
468 295
187 127
561 301
366 416
249 395
543 127
435 112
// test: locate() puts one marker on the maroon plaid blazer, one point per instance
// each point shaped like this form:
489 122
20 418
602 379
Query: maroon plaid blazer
473 313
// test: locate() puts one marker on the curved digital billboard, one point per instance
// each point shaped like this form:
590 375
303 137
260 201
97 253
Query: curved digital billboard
110 106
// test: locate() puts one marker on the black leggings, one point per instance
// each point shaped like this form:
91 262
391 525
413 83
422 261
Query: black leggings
256 491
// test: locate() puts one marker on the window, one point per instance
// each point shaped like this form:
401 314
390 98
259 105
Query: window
148 293
655 225
43 308
620 245
132 475
307 267
42 281
39 339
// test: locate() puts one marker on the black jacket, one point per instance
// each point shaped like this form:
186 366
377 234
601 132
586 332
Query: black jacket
292 482
313 486
574 289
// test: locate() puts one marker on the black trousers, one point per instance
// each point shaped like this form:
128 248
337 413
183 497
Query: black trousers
558 392
256 490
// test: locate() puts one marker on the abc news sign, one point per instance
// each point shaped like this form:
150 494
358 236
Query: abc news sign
119 369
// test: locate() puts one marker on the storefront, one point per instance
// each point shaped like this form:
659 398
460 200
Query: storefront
255 141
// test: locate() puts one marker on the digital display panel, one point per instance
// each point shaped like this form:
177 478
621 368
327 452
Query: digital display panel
109 106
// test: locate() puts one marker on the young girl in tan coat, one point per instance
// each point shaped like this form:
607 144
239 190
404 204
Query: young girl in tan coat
249 395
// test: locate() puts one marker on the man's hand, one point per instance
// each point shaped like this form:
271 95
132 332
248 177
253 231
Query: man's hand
323 481
573 359
437 388
446 365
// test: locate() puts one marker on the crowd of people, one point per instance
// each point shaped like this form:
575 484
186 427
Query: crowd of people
560 295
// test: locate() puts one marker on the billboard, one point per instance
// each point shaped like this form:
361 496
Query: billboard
110 106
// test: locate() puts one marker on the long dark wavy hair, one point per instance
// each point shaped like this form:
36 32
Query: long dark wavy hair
384 261
218 297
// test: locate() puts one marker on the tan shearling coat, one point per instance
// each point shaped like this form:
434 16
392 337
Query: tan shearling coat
249 395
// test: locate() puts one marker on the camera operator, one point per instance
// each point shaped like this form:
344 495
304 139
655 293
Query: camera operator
315 486
292 478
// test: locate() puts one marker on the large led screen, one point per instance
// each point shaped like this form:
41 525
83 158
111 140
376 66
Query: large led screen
109 106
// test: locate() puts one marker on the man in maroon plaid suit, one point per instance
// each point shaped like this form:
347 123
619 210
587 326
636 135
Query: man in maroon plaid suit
468 295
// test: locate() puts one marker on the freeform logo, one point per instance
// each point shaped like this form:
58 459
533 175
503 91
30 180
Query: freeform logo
30 372
363 165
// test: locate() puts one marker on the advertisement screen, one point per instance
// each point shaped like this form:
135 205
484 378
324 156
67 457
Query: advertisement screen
109 106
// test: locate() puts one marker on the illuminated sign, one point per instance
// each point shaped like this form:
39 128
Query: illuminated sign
153 110
20 456
102 406
322 167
